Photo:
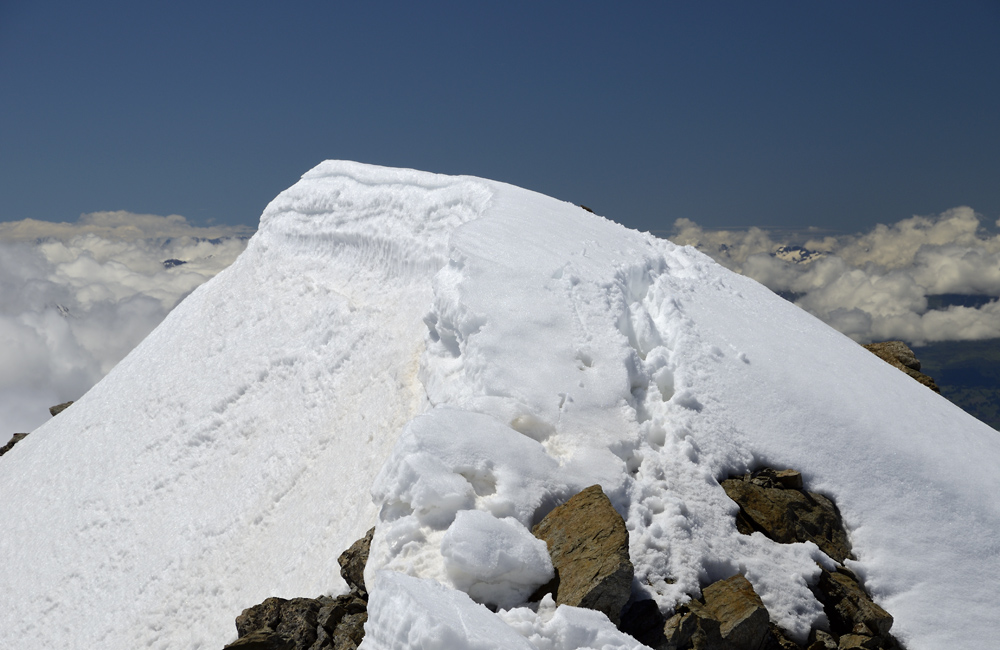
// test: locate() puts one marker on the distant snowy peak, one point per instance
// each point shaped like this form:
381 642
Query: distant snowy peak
797 254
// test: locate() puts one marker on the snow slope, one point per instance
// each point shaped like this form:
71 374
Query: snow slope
451 357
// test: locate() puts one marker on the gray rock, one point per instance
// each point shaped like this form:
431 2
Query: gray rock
264 639
588 544
59 408
353 560
13 441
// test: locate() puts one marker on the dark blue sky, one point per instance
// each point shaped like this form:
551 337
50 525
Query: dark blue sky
785 114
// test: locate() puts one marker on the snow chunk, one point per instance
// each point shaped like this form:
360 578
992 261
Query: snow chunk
408 613
567 628
495 561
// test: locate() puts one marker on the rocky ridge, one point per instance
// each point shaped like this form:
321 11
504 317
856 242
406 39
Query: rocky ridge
588 544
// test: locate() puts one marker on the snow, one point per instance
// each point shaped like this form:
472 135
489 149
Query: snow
449 358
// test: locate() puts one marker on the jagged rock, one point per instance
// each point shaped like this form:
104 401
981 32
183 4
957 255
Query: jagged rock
59 408
787 515
730 616
777 640
588 544
821 640
353 560
265 639
848 606
899 355
858 642
322 623
13 441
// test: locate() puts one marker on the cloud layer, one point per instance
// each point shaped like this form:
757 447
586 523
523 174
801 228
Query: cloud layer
875 285
77 297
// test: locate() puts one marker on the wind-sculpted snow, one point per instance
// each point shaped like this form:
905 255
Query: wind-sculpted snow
451 358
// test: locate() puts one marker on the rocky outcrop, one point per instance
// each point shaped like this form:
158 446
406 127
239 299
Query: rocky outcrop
13 441
59 408
588 544
730 616
772 502
322 623
899 355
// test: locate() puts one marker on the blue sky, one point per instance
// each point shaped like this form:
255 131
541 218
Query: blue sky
784 114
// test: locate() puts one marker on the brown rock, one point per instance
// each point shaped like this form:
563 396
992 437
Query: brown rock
265 615
13 441
730 616
847 605
743 620
588 544
899 355
788 515
858 642
778 640
59 408
821 640
353 560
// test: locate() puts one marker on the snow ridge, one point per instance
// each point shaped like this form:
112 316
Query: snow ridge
476 353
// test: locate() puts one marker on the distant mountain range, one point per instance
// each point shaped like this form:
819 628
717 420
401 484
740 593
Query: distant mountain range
968 373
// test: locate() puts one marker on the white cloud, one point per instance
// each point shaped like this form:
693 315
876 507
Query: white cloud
77 297
874 286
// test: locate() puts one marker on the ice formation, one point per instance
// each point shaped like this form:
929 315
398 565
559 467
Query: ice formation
449 358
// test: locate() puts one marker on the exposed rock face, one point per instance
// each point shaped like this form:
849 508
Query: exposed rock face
322 623
13 441
770 503
352 563
848 606
898 354
59 408
588 544
730 616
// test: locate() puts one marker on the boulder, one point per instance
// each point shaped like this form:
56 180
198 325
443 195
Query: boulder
848 607
730 616
13 441
588 544
59 408
353 560
899 355
786 514
264 639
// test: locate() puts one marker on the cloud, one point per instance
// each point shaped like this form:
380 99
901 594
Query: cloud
77 297
874 285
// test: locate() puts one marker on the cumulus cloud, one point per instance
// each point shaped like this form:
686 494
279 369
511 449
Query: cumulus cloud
875 285
77 297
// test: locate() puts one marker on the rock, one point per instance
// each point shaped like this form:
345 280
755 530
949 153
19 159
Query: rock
322 623
59 408
777 640
847 605
730 616
265 639
353 560
899 355
787 515
821 640
588 544
858 642
743 620
644 622
13 441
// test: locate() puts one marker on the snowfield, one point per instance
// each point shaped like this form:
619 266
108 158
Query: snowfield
450 358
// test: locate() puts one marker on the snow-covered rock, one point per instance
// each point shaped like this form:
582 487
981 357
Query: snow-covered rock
450 358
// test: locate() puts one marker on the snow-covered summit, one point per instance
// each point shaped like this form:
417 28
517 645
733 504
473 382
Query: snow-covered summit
450 357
